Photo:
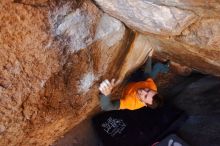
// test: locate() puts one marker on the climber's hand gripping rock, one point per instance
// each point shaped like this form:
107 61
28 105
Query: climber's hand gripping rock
106 86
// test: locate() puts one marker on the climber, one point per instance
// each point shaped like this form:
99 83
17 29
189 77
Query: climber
136 94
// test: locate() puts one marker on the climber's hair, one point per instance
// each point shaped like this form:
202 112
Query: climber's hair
157 101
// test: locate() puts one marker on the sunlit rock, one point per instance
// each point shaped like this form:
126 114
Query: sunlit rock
136 56
203 34
86 82
186 3
204 60
179 30
109 30
111 45
52 56
76 27
148 17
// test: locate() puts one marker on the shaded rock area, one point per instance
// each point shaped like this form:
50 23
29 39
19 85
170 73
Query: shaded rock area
54 54
198 96
82 134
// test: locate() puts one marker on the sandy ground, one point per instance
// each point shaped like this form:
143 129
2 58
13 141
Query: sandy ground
81 135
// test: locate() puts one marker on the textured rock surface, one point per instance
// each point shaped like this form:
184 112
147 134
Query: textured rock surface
136 55
198 46
188 30
52 54
203 34
147 17
28 57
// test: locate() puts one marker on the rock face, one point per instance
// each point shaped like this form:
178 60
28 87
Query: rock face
28 58
147 17
183 31
136 55
54 54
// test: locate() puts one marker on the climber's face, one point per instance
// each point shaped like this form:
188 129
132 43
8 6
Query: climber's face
146 95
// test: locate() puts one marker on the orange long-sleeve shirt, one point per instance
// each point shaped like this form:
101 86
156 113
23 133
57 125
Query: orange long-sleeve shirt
129 98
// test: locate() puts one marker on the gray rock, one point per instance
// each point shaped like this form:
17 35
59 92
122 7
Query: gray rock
148 17
109 30
75 27
203 34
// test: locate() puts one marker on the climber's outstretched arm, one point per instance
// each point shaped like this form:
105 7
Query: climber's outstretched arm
157 68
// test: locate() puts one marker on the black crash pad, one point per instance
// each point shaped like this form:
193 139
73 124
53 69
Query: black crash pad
141 127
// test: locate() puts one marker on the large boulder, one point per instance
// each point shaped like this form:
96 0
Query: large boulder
147 17
53 54
28 58
198 46
186 32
